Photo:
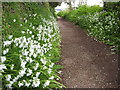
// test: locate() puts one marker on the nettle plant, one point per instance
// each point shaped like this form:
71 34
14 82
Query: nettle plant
31 41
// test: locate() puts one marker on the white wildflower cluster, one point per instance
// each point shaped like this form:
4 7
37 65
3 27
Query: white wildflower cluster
31 49
104 26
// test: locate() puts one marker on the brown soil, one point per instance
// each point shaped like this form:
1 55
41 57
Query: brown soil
87 63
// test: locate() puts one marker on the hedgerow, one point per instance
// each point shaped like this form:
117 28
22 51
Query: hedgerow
81 10
103 25
31 41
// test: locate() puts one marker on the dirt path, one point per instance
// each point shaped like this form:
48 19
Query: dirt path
87 63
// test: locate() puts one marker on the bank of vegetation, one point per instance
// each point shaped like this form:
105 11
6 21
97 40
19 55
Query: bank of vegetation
101 22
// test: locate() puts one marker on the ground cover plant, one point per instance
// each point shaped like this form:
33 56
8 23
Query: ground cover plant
31 41
101 24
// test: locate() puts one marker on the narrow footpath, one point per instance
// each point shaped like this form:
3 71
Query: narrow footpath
87 62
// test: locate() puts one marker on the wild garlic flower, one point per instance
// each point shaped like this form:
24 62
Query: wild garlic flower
14 20
46 83
3 58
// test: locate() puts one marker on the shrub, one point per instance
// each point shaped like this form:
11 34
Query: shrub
103 25
62 13
31 43
73 15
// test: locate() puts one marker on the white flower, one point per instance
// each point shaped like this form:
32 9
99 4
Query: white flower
20 84
8 77
29 14
30 32
30 60
5 51
32 36
3 58
27 84
36 82
37 74
25 52
58 79
60 72
34 55
20 24
14 80
21 45
9 86
11 82
22 72
2 66
30 24
10 37
18 76
33 27
43 61
34 15
46 83
49 54
26 21
27 59
6 43
23 63
12 67
29 72
23 32
52 64
44 67
36 67
14 20
52 77
49 70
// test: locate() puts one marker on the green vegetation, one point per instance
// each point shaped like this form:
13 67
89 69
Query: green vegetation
101 24
31 41
73 15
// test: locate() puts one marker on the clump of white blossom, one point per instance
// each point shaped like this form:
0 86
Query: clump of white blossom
103 26
28 57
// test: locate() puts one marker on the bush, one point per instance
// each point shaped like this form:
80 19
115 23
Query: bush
103 25
73 15
62 13
31 41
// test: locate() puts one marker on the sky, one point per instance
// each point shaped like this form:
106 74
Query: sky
89 2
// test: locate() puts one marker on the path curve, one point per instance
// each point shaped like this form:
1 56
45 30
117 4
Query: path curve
87 63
